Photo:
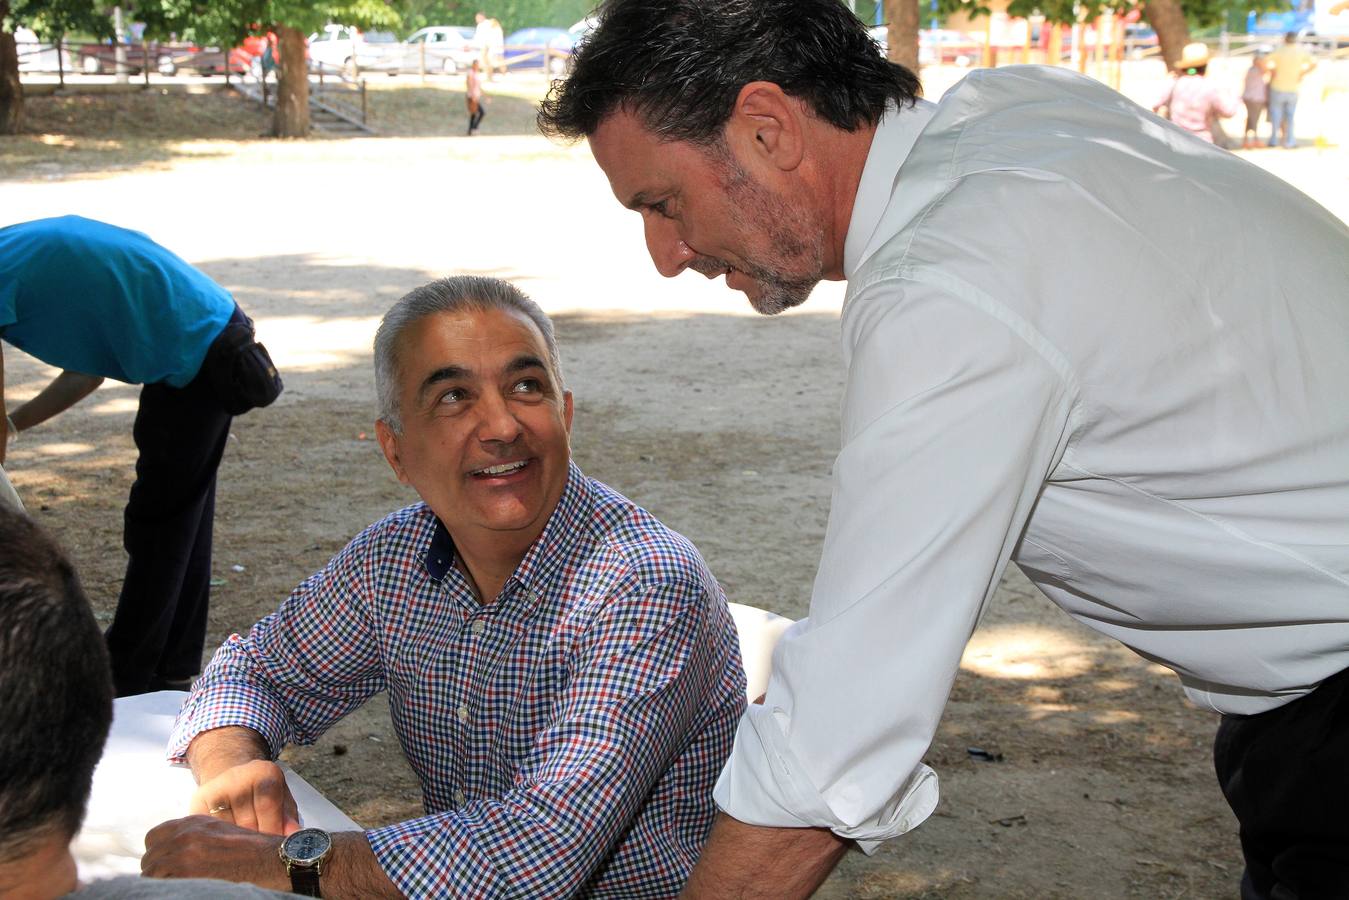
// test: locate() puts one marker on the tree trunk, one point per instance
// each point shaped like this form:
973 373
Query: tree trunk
291 118
1173 32
11 91
902 32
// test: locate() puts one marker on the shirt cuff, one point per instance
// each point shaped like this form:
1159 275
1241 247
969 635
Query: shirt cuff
433 856
221 705
763 783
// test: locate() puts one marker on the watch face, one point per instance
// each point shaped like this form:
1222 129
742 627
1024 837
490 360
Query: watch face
307 845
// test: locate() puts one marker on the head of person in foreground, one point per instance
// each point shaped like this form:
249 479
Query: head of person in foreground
55 712
734 128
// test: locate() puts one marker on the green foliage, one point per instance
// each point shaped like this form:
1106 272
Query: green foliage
225 22
1198 13
52 19
516 14
866 10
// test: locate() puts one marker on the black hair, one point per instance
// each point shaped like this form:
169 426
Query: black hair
55 690
678 66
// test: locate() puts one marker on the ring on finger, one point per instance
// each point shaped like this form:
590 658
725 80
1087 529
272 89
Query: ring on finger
224 807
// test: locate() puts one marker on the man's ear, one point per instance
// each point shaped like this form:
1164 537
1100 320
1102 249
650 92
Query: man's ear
388 442
567 410
766 125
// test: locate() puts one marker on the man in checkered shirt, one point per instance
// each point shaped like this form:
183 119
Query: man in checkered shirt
563 673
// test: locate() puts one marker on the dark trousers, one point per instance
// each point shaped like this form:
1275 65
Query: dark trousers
159 629
1286 775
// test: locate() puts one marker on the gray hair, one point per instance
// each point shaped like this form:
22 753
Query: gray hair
448 295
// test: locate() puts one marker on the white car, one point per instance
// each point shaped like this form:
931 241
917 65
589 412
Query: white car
449 49
341 46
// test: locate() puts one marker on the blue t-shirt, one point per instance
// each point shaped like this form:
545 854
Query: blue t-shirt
102 300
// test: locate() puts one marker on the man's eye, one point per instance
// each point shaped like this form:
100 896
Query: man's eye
661 208
453 395
527 386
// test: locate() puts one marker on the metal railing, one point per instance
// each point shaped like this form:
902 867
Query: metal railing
331 89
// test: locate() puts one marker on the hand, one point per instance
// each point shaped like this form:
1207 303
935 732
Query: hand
253 795
205 847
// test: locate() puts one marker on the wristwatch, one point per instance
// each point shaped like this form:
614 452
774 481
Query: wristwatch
304 853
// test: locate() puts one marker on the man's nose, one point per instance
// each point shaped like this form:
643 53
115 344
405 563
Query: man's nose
670 254
497 422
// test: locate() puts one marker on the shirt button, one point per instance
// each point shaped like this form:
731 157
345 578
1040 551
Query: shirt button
462 712
478 626
459 798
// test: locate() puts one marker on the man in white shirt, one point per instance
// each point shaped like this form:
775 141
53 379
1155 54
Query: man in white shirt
1154 427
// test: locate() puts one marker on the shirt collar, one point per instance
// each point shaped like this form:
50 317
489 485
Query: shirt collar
549 552
895 136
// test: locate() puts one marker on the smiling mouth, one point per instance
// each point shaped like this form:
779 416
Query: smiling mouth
500 470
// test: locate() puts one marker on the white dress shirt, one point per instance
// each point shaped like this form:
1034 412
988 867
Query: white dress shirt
1081 339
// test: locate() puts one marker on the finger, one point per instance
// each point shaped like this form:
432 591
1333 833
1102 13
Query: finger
241 811
164 832
271 803
292 816
210 800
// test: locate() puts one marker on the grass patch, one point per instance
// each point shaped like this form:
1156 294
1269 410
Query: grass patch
407 107
105 134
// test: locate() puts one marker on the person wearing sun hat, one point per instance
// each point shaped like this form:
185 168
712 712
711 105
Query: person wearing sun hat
1193 101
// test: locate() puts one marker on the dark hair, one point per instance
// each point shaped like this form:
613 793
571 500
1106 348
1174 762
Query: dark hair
678 66
55 690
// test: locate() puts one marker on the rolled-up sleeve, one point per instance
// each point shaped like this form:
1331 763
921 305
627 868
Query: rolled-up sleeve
955 412
298 670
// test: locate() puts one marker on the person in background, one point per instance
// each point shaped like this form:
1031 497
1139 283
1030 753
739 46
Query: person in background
1287 67
98 301
1255 94
1193 102
54 719
474 97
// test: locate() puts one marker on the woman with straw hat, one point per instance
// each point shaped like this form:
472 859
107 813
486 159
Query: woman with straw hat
1194 101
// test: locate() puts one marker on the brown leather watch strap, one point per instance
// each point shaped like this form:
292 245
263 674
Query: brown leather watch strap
304 880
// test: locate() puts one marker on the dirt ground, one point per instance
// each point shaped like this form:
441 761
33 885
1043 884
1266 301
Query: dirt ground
1097 779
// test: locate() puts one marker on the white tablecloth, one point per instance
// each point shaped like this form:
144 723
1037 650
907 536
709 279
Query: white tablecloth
135 789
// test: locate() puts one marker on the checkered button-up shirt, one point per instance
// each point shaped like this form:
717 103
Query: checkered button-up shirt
567 736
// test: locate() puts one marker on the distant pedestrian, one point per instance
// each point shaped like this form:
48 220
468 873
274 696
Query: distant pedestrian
1288 65
1255 94
474 97
1195 103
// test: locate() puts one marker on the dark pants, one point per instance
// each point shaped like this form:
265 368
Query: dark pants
159 629
1286 774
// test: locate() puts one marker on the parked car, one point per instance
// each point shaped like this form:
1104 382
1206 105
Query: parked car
243 59
36 56
532 48
449 49
581 30
341 46
97 59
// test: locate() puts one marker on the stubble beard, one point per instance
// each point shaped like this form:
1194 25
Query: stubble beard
794 264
